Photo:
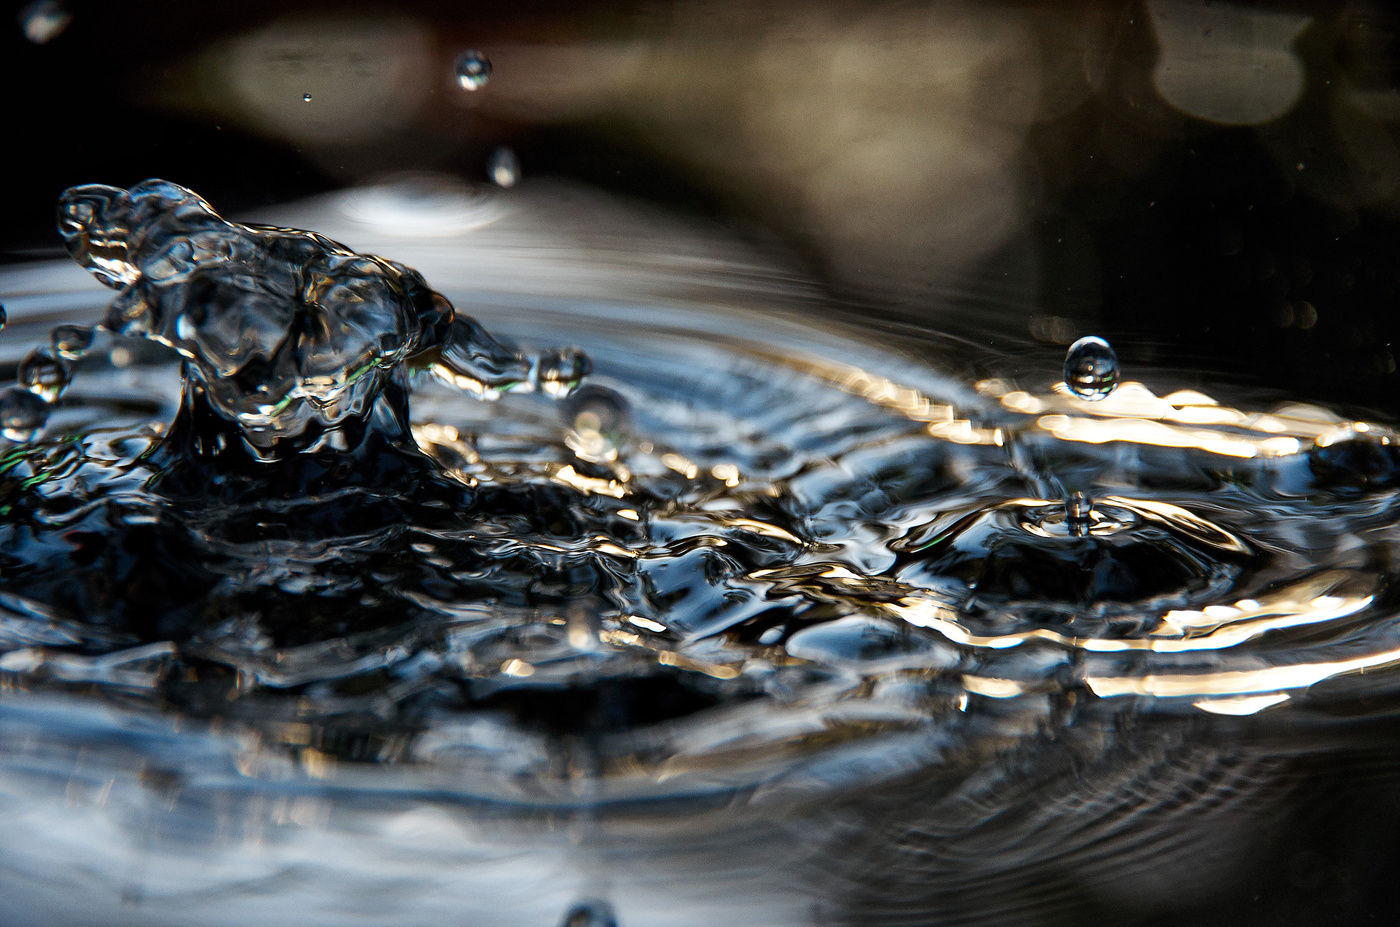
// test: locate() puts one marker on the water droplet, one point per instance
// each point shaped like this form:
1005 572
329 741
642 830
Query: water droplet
1091 368
1079 513
598 418
590 914
559 372
70 342
473 69
44 21
306 98
4 317
22 413
503 167
42 374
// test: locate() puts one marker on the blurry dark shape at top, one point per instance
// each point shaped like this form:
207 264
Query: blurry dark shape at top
1195 176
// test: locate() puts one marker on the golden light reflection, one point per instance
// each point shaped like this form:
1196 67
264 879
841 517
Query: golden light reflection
1290 608
1237 682
1241 705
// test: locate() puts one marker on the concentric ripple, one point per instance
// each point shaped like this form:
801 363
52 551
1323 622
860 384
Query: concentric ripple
748 557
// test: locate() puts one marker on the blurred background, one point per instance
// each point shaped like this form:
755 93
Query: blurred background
1212 186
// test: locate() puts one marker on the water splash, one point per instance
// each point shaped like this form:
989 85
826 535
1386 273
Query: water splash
289 335
725 582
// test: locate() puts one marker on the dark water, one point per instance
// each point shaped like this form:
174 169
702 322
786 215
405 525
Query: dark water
763 623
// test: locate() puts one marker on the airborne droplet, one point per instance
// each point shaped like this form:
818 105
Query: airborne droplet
22 413
44 21
473 69
590 914
306 98
503 167
1091 368
70 342
557 373
43 375
599 419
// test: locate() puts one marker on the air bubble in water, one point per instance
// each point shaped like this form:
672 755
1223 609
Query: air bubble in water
473 69
503 167
22 413
558 373
590 914
43 375
1091 368
44 21
71 342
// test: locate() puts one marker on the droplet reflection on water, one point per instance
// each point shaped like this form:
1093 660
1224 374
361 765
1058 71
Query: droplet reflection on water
754 596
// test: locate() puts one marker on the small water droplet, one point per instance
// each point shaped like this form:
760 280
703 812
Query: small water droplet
473 69
71 342
4 317
306 98
598 418
503 167
22 413
1091 368
590 914
43 375
1079 513
559 372
44 21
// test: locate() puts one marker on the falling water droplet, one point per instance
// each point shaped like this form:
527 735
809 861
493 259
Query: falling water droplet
44 21
473 69
598 418
43 375
1079 512
306 98
557 373
590 914
1091 368
71 342
22 413
503 167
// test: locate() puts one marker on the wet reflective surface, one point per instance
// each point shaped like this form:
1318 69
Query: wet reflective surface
764 622
819 464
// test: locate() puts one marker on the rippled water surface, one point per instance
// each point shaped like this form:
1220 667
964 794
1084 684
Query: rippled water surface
771 621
